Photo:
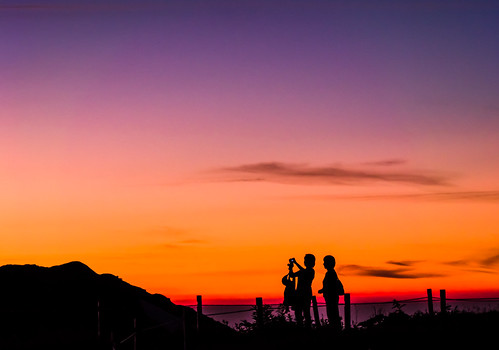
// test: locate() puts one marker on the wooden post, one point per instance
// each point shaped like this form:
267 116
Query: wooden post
348 319
98 320
430 301
199 299
134 334
184 326
259 312
316 311
113 343
443 301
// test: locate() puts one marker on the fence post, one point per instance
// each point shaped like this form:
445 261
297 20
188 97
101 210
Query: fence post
443 301
348 320
134 334
430 301
113 342
259 312
199 299
98 320
316 311
184 326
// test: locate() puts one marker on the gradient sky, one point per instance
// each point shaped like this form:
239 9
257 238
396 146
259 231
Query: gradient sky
193 147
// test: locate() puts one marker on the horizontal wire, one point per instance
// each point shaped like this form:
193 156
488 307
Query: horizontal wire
229 312
413 300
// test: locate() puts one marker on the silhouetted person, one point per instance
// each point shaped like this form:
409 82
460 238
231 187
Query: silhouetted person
331 290
290 289
303 296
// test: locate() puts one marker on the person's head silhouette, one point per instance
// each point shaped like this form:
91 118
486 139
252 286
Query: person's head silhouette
329 262
309 260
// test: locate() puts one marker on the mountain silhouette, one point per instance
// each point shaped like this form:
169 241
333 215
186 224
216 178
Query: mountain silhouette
71 307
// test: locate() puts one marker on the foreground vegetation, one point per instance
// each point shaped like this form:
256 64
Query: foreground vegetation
397 330
72 307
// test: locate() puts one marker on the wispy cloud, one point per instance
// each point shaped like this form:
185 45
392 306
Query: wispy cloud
460 262
486 271
404 262
184 243
490 196
387 162
325 175
487 262
491 260
399 273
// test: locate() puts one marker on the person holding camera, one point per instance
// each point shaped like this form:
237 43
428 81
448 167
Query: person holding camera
303 296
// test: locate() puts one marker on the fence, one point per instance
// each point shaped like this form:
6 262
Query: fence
256 311
188 323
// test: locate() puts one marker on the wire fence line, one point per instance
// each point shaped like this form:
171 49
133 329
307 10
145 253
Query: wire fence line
277 306
353 314
246 308
360 310
346 306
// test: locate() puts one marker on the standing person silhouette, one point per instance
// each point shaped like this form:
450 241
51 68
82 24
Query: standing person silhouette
304 289
331 290
290 290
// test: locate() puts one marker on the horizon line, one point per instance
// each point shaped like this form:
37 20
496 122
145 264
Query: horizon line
356 298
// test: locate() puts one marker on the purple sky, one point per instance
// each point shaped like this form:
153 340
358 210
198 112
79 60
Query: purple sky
100 99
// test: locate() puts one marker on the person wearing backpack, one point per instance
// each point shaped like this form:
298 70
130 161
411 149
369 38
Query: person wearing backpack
332 288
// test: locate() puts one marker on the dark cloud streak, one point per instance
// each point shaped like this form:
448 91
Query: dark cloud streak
388 162
490 261
403 263
487 196
305 174
400 273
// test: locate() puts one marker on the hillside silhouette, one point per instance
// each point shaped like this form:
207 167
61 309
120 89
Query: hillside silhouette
57 308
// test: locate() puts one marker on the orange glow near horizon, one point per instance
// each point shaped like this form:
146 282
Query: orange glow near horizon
239 250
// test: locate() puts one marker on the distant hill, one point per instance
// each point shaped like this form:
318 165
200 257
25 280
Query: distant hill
57 308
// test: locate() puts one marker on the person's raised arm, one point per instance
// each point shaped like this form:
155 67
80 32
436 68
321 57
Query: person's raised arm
292 273
297 265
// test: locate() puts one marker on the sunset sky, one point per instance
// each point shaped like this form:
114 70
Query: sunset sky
193 147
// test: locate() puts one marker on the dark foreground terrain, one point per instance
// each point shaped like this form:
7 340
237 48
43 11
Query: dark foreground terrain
454 330
72 307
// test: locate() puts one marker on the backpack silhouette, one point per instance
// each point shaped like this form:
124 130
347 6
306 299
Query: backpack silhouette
289 290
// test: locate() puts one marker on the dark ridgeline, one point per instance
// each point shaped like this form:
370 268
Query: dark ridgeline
57 308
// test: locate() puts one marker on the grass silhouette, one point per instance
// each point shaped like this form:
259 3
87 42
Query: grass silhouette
397 330
56 308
